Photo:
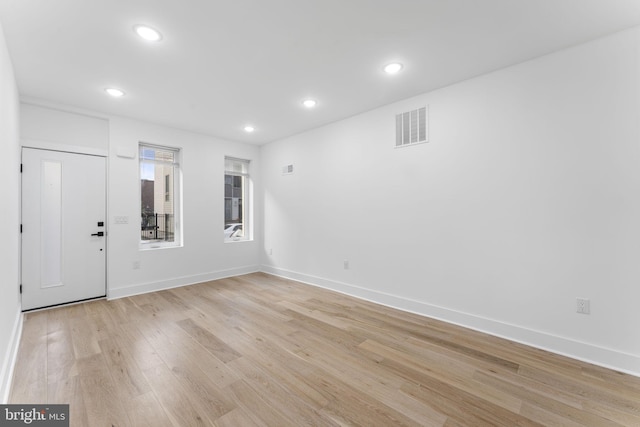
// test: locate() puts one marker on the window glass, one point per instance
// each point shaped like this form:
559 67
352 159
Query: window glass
236 202
159 175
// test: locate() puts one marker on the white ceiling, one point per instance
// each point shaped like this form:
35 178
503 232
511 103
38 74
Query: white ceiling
224 64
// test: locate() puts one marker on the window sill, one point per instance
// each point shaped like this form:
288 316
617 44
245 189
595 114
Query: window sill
237 240
156 246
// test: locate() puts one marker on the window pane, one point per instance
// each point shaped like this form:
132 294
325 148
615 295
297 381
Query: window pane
167 187
234 213
236 180
406 130
158 172
236 166
414 125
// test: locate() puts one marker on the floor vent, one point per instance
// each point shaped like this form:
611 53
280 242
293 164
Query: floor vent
411 127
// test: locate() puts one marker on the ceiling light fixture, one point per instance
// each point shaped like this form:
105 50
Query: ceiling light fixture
116 93
249 128
148 33
393 68
309 103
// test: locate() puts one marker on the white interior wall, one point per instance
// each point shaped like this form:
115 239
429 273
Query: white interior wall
523 200
204 255
130 270
10 316
525 197
45 127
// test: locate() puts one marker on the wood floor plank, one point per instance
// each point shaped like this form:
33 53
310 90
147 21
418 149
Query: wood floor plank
315 314
60 354
546 402
464 407
68 391
124 371
432 367
74 310
85 342
256 406
577 386
174 399
609 378
32 362
493 379
381 385
33 387
139 348
433 378
351 406
146 411
547 418
101 396
297 408
239 417
56 319
622 414
125 310
286 366
217 347
165 338
261 350
357 370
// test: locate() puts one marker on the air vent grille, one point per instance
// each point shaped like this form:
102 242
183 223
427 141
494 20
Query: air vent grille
411 127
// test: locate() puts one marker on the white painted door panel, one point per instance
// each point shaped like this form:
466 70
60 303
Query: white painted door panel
63 200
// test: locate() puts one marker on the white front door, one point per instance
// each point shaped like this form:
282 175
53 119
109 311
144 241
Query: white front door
63 227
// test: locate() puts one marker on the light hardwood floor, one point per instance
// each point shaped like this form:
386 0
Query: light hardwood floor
258 350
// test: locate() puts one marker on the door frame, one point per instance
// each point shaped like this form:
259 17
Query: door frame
71 149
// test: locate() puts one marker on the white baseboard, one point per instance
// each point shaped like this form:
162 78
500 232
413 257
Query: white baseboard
585 352
9 360
143 288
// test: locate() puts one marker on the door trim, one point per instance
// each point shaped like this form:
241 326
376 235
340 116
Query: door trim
63 148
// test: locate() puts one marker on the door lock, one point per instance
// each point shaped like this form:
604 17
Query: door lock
99 234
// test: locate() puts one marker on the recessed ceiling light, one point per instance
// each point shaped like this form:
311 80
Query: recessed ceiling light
249 128
393 68
309 103
148 33
116 93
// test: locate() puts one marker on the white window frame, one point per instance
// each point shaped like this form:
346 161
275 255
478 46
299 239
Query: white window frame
177 196
241 167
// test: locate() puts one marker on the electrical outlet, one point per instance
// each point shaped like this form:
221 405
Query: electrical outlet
346 265
136 265
583 306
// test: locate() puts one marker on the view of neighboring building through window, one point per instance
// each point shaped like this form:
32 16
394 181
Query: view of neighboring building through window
236 200
167 186
159 175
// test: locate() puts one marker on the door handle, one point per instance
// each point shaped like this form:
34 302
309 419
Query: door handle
99 234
